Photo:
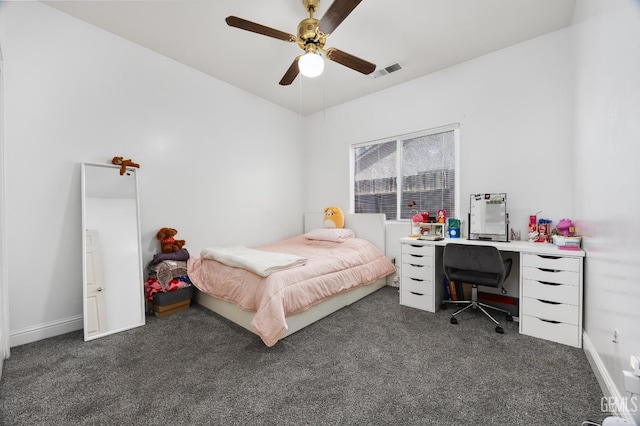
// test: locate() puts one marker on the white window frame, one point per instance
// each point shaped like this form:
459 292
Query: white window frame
399 139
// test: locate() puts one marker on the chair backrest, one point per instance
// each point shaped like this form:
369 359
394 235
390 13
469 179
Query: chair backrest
475 264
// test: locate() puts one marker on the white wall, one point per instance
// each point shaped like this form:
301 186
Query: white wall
515 109
216 163
558 115
607 198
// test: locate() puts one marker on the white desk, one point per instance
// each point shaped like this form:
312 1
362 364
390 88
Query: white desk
550 284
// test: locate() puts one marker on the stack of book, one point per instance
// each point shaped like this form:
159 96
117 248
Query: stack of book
454 290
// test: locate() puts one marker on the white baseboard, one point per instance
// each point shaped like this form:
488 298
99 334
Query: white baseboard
46 330
608 387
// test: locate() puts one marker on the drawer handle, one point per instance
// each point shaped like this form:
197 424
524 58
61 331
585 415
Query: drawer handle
416 279
416 245
416 266
549 257
549 270
416 255
549 302
549 321
417 294
549 283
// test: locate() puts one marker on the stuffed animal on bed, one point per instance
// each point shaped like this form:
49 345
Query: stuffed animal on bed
333 217
120 161
168 244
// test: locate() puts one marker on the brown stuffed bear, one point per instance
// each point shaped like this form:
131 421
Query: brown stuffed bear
119 161
168 244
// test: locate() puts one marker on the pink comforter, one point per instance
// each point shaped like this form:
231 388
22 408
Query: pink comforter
332 268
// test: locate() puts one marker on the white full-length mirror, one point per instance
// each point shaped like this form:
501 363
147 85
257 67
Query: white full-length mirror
113 294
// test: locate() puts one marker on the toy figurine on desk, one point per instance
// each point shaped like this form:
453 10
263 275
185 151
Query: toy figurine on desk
544 231
565 236
442 216
564 227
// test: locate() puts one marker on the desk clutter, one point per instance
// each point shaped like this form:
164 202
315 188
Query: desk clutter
424 226
563 235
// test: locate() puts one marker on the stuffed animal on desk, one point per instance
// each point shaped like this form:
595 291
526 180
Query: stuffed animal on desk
563 226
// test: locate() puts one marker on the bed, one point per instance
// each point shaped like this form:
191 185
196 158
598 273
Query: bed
275 306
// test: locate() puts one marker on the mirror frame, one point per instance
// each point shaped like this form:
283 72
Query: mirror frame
484 200
133 319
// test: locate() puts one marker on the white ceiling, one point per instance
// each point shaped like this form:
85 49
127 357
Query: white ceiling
422 35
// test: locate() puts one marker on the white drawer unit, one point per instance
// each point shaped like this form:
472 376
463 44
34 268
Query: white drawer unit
417 276
550 284
551 298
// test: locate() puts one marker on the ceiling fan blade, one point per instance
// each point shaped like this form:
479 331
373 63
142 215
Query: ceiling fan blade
350 61
243 24
291 73
337 12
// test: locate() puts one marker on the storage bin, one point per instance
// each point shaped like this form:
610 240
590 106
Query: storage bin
170 302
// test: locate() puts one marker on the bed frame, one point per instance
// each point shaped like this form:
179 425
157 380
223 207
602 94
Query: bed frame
366 226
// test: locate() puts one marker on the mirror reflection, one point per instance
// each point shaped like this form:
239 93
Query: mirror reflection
113 295
488 219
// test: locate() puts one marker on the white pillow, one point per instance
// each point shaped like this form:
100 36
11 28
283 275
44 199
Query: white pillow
336 235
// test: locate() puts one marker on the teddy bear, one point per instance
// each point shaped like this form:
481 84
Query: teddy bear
333 217
120 161
168 244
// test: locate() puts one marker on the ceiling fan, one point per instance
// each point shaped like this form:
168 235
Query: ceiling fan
312 36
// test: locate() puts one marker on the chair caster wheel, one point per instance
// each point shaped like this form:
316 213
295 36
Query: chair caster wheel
499 330
454 321
509 318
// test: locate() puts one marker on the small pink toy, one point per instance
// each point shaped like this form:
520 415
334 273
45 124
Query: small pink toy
563 226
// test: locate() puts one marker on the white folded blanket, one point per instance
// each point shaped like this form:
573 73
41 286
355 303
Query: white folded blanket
259 262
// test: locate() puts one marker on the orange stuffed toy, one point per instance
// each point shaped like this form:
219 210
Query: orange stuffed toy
119 161
333 217
168 244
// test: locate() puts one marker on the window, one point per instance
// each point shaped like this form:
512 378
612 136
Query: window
422 164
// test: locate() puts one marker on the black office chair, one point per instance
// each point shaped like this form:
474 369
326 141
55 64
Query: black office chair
476 265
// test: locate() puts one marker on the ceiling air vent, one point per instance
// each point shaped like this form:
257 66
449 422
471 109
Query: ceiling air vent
387 70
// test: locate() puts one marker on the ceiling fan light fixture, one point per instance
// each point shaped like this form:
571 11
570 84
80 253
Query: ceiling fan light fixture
311 64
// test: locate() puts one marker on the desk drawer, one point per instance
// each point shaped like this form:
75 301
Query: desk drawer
560 332
417 250
417 300
551 276
417 285
411 259
560 312
557 263
416 270
561 293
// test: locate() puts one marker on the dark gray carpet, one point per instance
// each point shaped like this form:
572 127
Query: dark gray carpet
374 362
